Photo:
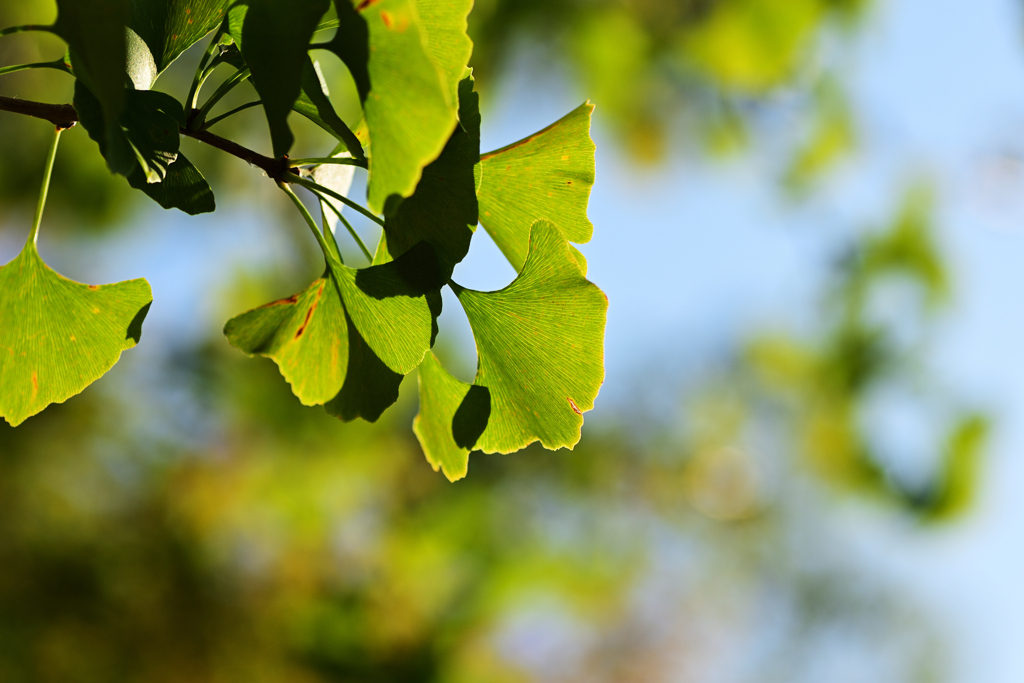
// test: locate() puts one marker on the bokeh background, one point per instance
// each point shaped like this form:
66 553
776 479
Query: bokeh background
803 465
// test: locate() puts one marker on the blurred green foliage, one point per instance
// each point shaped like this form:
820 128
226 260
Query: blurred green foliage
645 63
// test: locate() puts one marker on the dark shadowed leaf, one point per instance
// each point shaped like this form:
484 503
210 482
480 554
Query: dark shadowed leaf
313 103
273 36
169 27
443 210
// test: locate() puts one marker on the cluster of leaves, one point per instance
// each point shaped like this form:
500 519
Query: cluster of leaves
349 339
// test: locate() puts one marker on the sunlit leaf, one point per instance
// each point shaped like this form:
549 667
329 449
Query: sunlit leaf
57 336
274 36
444 24
548 175
452 416
349 338
540 344
305 334
383 46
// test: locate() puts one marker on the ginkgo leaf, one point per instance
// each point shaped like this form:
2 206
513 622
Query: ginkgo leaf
451 419
443 210
540 345
148 128
396 76
444 24
151 131
57 336
371 387
169 27
349 338
314 103
548 176
273 36
305 334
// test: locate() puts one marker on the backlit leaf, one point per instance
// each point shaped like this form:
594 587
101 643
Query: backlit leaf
540 344
305 335
548 176
452 416
396 77
348 339
57 336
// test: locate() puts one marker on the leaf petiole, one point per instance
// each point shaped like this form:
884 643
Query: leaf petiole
310 185
316 161
44 191
202 72
309 221
224 89
58 64
348 226
217 119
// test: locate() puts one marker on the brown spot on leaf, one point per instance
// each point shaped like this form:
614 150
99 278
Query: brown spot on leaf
575 408
35 385
94 287
386 18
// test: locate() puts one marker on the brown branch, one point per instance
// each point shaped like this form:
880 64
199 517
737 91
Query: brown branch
60 115
275 168
65 116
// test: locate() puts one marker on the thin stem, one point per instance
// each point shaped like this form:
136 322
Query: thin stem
316 161
325 225
220 92
217 119
34 235
351 230
26 27
309 220
59 65
202 73
310 185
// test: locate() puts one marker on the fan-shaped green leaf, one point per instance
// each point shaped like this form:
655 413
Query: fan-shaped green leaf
305 335
384 48
149 128
371 387
452 417
350 337
57 336
540 344
443 210
273 36
444 34
169 27
548 175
